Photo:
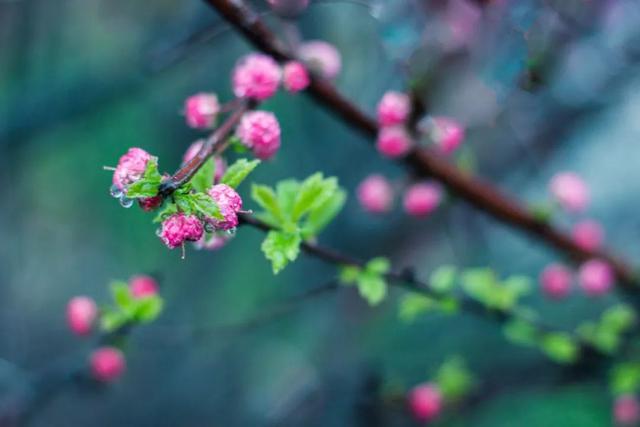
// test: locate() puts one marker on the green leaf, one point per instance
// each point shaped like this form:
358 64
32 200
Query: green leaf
287 190
237 172
320 217
168 210
280 248
197 204
203 179
148 185
148 308
378 266
111 319
372 287
521 332
454 379
625 378
619 318
267 199
349 274
413 305
443 279
122 296
560 347
313 192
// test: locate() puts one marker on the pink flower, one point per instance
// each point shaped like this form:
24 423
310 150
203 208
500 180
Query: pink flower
447 133
555 281
212 242
422 198
201 110
596 277
143 286
626 410
229 203
256 76
150 203
107 363
81 315
570 191
375 194
194 149
131 167
322 57
393 142
295 76
425 401
393 109
179 228
288 8
260 131
588 235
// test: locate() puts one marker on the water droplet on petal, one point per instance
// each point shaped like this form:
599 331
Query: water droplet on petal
231 231
115 191
126 202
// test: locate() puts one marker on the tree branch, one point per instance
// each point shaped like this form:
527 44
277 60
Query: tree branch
478 193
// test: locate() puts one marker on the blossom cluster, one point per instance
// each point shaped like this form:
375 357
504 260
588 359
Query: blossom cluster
376 194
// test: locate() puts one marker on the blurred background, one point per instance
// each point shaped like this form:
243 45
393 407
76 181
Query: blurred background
542 86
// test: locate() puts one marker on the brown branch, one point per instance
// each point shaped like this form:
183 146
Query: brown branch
478 193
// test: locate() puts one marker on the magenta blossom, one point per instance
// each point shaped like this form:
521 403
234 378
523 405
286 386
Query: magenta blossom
422 198
570 191
201 110
81 314
447 134
596 277
229 203
256 76
260 131
393 142
375 194
555 281
322 57
143 286
393 109
107 364
588 234
295 76
425 401
626 410
131 167
179 228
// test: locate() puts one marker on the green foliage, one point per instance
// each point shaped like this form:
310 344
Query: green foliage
606 334
560 347
443 279
454 379
237 172
370 280
484 286
203 179
625 378
200 204
280 248
521 332
299 210
129 309
148 185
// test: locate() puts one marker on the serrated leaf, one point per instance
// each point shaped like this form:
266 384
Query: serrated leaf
203 179
313 192
320 217
560 347
148 185
454 379
281 248
267 199
378 266
443 279
238 171
372 287
287 190
204 205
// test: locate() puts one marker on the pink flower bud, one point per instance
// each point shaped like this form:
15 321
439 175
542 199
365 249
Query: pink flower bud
425 402
555 281
588 235
143 286
288 8
81 315
107 364
256 76
393 142
201 110
192 151
422 198
321 57
260 131
393 109
149 204
447 134
131 167
179 228
229 203
375 194
295 76
212 242
596 277
626 410
570 191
